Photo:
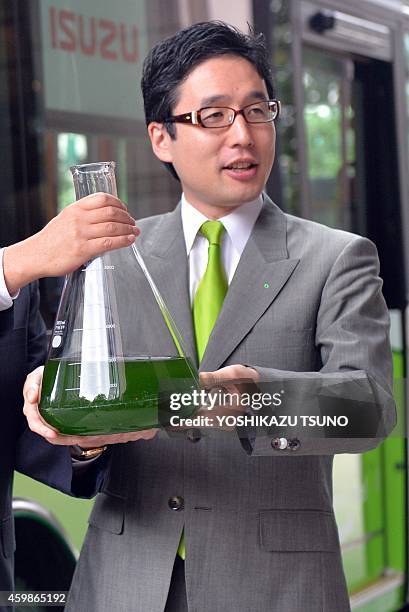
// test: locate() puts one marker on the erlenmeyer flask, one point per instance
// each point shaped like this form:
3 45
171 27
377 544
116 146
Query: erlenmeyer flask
115 355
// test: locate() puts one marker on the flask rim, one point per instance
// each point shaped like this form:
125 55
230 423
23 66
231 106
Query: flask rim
92 167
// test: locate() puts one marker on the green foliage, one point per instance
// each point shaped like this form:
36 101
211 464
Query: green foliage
323 127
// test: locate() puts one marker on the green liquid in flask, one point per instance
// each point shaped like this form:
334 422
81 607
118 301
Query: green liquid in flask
138 396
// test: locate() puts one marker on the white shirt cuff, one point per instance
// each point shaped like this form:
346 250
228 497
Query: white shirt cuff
6 300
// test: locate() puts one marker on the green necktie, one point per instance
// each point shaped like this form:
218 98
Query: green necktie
212 289
208 301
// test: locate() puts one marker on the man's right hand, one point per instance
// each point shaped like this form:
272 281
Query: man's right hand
83 230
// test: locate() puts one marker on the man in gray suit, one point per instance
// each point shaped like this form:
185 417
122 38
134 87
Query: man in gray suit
251 513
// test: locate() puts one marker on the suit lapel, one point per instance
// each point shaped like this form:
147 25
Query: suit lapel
263 270
166 259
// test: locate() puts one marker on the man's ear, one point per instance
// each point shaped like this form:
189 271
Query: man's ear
160 141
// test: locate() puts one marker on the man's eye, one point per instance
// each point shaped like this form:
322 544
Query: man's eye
256 110
214 116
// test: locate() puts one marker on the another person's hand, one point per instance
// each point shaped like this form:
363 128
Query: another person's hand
93 225
37 424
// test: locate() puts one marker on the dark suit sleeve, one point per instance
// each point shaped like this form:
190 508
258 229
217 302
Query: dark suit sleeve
355 380
36 333
35 457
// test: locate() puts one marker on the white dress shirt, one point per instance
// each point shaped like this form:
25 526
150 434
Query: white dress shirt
6 301
238 224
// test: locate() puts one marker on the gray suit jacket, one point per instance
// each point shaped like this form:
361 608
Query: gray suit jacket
259 522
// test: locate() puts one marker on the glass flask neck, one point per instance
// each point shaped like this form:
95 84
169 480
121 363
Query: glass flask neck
93 178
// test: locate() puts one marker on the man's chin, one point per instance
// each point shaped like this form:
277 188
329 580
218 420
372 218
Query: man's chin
244 198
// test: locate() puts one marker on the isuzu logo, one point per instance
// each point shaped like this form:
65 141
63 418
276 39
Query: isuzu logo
92 36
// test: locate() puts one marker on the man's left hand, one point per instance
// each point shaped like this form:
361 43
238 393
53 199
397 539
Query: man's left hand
229 375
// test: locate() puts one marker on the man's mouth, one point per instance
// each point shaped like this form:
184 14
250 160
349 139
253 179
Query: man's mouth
240 166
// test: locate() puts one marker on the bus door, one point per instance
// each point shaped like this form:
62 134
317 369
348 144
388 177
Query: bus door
351 182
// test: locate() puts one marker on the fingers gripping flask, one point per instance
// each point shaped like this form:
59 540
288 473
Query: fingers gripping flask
115 355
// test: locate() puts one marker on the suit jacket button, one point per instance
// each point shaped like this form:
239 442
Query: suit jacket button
294 444
176 502
279 443
193 435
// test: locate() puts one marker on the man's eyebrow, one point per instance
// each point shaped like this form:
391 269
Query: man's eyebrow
226 99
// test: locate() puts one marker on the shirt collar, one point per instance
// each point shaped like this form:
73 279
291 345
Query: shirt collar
238 224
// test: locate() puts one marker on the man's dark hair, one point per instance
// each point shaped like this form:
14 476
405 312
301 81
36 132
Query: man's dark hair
171 60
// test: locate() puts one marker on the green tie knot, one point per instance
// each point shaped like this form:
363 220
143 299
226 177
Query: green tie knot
213 231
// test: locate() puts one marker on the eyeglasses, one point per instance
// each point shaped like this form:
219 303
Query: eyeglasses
223 116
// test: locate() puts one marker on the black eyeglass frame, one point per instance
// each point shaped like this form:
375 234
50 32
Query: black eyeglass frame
194 117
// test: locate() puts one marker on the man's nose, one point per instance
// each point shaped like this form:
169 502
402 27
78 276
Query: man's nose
240 132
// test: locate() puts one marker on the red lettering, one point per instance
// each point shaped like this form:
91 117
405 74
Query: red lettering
88 49
106 42
92 36
53 28
132 56
70 43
